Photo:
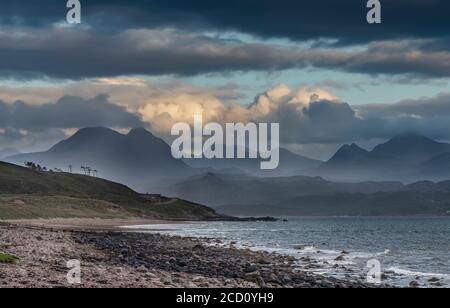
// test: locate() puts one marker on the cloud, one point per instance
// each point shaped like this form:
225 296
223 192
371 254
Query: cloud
131 93
427 115
67 112
66 53
419 108
73 54
28 127
297 20
13 141
308 116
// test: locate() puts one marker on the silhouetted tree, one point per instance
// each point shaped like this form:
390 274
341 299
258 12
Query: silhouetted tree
34 166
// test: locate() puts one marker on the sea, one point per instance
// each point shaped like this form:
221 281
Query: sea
403 250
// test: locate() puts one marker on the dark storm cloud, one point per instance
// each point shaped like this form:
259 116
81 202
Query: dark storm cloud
66 53
77 54
321 122
419 108
68 112
336 122
328 122
343 20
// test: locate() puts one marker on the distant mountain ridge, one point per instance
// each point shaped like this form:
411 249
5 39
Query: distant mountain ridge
290 164
407 157
314 196
219 189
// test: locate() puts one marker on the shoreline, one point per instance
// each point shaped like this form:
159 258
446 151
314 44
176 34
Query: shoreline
86 224
110 257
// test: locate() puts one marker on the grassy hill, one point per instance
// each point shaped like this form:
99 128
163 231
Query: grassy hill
26 194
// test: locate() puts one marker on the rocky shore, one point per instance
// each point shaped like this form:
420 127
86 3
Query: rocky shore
118 259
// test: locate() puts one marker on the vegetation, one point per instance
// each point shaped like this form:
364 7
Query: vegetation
30 193
33 206
6 258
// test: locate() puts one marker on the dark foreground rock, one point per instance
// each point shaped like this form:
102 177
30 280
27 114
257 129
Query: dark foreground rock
115 259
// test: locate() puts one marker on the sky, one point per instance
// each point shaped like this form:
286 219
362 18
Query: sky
316 67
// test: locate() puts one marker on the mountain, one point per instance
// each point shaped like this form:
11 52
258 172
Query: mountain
407 157
402 203
314 196
219 189
411 148
438 167
129 158
290 164
348 154
26 193
143 161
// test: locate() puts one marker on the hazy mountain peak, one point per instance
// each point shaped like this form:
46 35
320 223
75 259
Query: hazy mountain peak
210 176
139 131
86 138
408 157
355 147
94 132
349 152
411 147
411 137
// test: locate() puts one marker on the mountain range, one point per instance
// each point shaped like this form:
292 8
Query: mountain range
407 157
355 181
221 189
142 160
314 196
290 164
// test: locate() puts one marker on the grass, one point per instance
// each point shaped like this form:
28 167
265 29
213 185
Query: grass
27 194
45 207
6 258
181 209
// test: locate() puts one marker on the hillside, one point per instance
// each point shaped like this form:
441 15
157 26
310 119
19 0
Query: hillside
26 193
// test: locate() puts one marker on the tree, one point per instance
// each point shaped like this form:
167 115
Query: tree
34 166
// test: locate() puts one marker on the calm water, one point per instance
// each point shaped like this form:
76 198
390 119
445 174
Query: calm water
408 248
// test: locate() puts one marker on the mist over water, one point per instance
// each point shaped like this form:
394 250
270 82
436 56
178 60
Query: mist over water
408 248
